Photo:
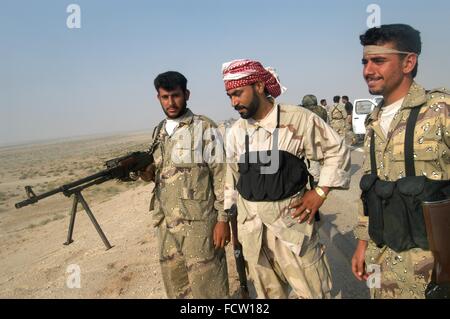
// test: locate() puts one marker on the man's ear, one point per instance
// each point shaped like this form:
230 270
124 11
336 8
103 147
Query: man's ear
260 86
409 63
158 96
187 94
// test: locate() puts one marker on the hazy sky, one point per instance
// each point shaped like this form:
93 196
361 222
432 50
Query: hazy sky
59 82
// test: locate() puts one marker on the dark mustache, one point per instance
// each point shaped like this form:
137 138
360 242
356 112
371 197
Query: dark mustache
239 107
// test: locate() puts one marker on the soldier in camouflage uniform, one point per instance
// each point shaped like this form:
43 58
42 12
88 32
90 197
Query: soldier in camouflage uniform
310 102
323 103
338 117
187 201
350 137
390 65
279 235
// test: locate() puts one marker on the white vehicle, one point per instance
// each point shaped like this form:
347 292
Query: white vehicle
362 108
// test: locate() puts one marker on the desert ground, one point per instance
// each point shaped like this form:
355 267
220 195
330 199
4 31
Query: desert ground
34 263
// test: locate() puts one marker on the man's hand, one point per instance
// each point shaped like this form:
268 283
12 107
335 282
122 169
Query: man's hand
308 206
221 235
358 261
148 174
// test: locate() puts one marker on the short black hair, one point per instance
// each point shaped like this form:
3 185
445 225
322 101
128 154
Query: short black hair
345 97
336 99
322 100
170 80
404 37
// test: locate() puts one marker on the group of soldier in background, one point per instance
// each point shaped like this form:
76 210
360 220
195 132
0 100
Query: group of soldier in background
338 116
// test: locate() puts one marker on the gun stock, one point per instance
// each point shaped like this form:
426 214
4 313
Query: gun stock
437 222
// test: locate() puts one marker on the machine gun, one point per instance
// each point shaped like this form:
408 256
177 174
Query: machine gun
123 168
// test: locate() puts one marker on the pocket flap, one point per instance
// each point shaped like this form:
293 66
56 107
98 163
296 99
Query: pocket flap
411 185
422 152
384 189
367 182
195 183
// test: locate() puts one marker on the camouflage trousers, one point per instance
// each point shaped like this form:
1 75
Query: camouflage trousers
279 269
191 267
350 137
403 275
340 127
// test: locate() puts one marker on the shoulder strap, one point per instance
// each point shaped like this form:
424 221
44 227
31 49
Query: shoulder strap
247 152
276 132
278 115
373 161
334 109
155 136
158 128
409 142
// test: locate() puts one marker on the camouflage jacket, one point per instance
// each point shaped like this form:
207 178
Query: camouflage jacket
337 112
431 146
188 182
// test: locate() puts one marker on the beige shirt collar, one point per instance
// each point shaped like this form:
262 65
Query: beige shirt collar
268 123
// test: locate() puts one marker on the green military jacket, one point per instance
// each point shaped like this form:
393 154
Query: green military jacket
320 111
189 179
431 141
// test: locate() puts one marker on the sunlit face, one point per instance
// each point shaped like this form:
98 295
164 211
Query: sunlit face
244 100
383 72
173 102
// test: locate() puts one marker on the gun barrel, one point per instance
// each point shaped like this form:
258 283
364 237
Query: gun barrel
34 199
87 179
116 168
25 203
64 188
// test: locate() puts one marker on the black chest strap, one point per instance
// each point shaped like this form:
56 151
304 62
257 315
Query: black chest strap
409 142
409 145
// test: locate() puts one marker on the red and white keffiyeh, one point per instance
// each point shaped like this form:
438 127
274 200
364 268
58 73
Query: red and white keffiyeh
239 73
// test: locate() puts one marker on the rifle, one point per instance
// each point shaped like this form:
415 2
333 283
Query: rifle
238 255
123 168
437 223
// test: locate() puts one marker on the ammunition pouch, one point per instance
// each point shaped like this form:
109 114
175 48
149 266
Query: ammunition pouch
395 209
271 175
290 178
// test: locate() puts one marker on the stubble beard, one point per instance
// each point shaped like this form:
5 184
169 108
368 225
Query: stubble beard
252 109
179 114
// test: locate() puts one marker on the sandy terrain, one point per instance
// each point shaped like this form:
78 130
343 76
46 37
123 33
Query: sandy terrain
34 263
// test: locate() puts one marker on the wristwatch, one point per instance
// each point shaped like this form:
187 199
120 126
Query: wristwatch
320 192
